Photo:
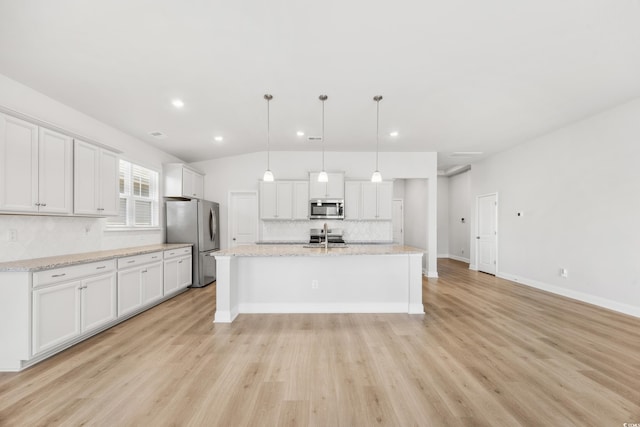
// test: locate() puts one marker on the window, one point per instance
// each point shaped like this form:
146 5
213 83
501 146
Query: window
138 197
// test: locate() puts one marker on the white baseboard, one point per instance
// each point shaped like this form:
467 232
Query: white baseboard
579 296
473 267
459 258
431 274
391 307
444 256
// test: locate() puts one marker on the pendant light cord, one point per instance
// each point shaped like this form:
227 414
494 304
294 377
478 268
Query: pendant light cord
268 98
323 98
377 130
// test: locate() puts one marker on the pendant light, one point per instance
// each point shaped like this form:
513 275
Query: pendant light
322 176
268 175
377 176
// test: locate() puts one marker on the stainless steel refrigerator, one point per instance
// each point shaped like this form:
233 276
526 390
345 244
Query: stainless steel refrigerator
196 221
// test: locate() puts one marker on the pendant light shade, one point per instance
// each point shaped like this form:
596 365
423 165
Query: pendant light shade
322 176
268 175
377 176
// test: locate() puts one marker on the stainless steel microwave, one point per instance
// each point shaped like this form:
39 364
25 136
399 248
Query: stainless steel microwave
326 209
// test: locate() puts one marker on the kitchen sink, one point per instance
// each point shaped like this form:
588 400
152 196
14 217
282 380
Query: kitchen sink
321 245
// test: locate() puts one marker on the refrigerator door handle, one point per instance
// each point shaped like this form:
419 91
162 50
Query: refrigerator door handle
212 224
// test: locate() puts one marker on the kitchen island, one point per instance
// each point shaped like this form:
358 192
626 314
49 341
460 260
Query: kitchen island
298 279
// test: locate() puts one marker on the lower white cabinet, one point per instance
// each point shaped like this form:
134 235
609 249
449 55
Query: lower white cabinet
139 285
177 273
64 311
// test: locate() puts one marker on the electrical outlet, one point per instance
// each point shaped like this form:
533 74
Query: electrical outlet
314 284
13 235
564 273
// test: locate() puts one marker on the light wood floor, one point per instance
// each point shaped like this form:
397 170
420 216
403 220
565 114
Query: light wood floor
488 352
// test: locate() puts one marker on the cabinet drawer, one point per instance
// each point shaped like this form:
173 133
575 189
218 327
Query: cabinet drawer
177 252
63 274
132 261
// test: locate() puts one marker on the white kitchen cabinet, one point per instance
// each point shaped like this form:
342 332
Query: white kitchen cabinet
182 181
96 180
139 282
300 200
365 200
56 315
70 301
276 200
177 269
35 168
333 189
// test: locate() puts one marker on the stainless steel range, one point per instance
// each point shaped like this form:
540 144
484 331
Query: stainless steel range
334 238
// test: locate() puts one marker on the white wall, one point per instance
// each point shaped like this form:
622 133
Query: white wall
244 172
40 236
579 189
459 199
443 217
416 207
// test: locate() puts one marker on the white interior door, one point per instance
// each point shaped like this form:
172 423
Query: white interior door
397 217
243 218
487 233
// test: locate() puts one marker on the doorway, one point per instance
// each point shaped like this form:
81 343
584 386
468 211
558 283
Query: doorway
487 233
243 218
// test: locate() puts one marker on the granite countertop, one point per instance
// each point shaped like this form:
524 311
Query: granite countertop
37 264
264 250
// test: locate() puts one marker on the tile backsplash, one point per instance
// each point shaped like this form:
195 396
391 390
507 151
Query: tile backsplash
43 236
360 231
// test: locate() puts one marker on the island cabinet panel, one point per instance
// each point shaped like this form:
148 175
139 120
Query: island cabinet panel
96 180
35 168
332 189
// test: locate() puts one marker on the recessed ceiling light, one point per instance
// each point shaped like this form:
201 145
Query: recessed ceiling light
300 133
217 138
178 103
394 133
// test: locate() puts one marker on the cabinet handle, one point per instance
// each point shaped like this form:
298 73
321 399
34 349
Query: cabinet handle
59 275
154 257
101 267
171 253
143 271
43 204
100 209
179 262
37 204
132 261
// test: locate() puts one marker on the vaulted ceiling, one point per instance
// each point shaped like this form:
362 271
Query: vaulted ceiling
456 76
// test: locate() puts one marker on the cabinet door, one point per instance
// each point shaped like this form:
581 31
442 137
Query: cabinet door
56 315
369 206
98 301
352 196
55 172
284 200
152 286
385 200
335 186
86 176
129 290
300 200
198 186
188 178
184 272
317 190
268 200
170 275
18 165
109 183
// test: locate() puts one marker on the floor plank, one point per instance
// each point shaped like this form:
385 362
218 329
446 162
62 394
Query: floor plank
487 352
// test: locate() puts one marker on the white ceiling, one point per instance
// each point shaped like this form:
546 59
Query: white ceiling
455 75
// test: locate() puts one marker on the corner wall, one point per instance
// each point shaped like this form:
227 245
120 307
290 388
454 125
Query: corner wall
579 189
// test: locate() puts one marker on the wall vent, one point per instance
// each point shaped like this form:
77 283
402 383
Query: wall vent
158 135
314 138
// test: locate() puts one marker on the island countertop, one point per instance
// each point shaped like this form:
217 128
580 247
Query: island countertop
37 264
280 250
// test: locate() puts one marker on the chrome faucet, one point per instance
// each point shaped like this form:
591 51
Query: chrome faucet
326 237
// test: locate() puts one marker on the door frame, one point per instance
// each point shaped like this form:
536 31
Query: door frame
477 225
230 196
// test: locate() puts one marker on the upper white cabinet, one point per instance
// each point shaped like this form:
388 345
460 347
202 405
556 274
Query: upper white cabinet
333 189
96 178
35 168
365 200
182 181
284 200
